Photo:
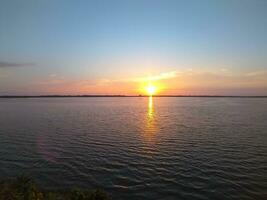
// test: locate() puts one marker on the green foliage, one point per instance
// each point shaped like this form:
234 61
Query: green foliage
24 188
78 194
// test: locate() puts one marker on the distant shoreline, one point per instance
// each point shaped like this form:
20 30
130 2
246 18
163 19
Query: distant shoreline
84 96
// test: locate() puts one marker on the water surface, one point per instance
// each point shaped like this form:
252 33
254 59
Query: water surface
139 148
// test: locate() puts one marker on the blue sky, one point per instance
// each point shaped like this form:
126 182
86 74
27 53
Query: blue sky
61 46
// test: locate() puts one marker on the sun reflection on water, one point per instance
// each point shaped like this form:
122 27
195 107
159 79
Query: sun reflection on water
150 108
150 128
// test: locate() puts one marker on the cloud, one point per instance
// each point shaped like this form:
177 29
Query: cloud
256 73
162 76
12 64
186 81
53 75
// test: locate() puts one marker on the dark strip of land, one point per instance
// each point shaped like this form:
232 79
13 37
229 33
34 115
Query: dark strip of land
72 96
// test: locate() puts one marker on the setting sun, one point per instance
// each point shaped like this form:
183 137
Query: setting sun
150 89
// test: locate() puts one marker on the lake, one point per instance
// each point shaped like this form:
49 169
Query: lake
138 147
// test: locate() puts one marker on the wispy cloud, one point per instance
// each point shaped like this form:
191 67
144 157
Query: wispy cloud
170 82
162 76
256 73
13 64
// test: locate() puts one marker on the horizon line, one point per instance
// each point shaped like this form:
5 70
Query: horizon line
117 95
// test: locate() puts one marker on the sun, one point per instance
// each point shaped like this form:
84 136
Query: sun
150 89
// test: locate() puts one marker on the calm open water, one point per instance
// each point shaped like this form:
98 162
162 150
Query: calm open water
139 148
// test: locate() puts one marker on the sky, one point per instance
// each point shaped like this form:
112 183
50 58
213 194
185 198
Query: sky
189 47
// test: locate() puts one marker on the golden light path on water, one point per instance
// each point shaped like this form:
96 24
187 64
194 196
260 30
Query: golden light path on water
150 127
